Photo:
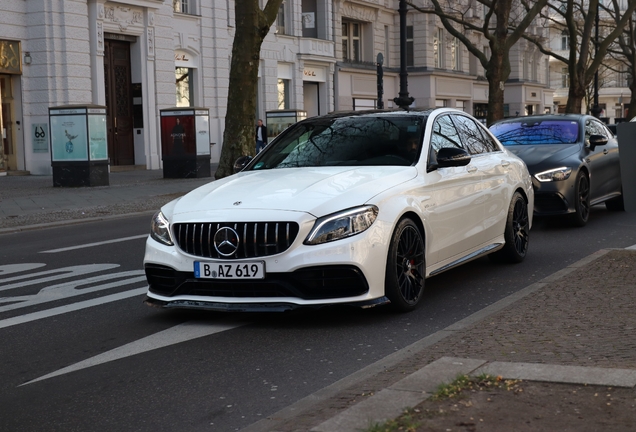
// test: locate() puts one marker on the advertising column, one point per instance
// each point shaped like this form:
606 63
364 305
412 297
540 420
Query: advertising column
79 149
185 142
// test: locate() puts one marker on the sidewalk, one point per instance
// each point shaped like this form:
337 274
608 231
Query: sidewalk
28 202
570 338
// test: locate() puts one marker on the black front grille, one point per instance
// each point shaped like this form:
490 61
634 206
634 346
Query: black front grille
255 239
311 283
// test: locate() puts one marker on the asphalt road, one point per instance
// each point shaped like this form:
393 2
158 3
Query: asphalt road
80 351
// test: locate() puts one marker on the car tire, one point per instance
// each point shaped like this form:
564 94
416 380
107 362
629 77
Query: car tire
581 200
615 204
405 267
516 234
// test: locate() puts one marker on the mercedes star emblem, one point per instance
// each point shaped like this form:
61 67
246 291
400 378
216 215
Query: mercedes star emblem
226 241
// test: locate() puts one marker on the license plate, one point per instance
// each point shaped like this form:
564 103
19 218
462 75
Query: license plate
243 270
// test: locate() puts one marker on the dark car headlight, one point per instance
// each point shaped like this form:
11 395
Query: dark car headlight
342 224
160 229
556 174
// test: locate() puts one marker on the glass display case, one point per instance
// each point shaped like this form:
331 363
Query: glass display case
79 148
185 142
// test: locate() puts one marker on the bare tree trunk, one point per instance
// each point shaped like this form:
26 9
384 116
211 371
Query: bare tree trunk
252 25
497 73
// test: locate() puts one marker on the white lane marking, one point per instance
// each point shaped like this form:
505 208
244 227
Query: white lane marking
632 247
181 333
71 289
61 273
17 268
22 319
95 244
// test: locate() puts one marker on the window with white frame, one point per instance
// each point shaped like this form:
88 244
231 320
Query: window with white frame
410 47
183 6
565 40
283 93
351 41
281 28
565 78
438 48
456 54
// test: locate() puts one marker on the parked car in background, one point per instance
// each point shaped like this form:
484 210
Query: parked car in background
354 208
573 160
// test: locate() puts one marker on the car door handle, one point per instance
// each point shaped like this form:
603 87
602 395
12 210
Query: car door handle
505 164
471 169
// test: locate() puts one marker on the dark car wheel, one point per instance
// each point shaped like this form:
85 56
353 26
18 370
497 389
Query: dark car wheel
405 267
581 200
516 233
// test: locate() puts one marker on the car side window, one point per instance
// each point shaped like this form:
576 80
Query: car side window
471 135
445 134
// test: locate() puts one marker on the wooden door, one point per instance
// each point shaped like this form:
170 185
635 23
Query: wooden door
119 119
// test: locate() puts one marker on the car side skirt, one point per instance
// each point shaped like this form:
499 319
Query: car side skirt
478 253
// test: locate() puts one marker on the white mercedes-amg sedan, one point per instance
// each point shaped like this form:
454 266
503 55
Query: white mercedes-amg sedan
350 208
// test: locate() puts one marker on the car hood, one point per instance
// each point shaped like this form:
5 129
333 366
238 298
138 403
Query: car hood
540 155
318 191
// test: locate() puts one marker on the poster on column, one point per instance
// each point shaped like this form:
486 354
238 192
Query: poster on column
68 138
203 133
97 137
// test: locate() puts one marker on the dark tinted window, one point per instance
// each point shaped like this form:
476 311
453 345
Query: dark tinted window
533 132
355 141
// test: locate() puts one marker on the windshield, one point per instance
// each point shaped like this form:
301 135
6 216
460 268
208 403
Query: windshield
536 132
354 141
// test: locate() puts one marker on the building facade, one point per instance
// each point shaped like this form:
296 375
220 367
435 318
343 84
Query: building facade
138 57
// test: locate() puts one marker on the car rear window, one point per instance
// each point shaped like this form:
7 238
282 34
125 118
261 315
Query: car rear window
536 132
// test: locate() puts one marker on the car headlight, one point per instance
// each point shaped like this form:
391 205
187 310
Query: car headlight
160 229
343 224
556 174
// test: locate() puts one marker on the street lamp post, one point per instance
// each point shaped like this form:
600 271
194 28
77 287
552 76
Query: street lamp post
403 101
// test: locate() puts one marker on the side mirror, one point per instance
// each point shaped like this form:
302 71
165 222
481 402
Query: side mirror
452 157
597 140
241 162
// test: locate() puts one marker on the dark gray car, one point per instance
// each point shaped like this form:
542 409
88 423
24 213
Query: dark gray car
573 160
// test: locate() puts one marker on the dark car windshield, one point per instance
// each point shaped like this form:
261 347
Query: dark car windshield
355 141
535 132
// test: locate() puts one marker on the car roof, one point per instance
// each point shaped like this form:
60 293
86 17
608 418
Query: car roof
544 117
416 112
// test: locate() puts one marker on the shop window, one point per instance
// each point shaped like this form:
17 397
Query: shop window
351 41
283 93
184 87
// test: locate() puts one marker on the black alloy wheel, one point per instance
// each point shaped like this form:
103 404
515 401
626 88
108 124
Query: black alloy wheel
406 267
516 234
582 200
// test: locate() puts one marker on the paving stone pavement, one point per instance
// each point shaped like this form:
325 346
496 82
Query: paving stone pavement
575 326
